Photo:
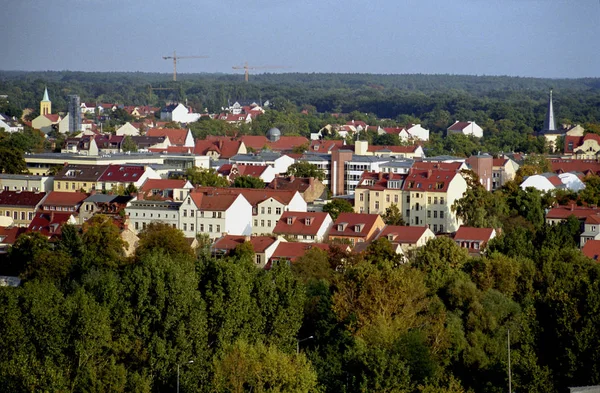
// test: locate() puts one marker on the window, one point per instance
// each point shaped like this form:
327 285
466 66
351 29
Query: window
361 197
189 201
262 210
16 215
262 223
407 212
435 227
268 210
185 227
269 223
278 210
184 213
219 214
22 215
191 213
435 200
395 198
137 225
58 185
441 200
428 213
435 214
255 223
376 204
387 198
30 215
429 200
201 227
210 227
362 210
73 186
258 259
441 228
408 199
214 215
441 214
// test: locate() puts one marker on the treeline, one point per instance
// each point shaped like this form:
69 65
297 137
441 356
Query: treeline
88 318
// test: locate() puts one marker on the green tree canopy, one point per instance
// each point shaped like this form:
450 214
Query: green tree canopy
337 206
305 169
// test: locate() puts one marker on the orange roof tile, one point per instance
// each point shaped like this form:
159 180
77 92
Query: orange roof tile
402 234
591 249
471 233
229 242
300 223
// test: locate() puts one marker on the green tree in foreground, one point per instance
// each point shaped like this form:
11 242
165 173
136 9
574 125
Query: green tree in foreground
305 169
248 182
393 216
205 177
128 144
337 206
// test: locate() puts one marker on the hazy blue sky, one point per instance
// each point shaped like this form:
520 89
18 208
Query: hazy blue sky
545 38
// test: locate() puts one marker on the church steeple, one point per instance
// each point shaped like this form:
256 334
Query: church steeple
549 123
45 104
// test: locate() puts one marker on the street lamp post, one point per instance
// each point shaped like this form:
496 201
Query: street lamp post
302 340
190 362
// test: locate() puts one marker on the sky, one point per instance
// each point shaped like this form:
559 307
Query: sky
536 38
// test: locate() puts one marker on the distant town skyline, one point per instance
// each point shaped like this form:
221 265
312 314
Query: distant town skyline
531 38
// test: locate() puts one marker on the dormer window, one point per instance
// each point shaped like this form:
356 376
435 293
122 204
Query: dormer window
290 220
308 220
359 227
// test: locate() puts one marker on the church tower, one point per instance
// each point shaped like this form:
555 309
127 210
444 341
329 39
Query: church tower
549 123
45 104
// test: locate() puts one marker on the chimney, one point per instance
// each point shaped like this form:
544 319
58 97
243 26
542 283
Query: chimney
247 238
429 173
380 175
311 180
292 178
572 206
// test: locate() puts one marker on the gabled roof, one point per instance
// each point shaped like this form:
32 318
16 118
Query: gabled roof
431 180
291 183
302 223
471 233
164 184
591 249
52 117
584 166
58 198
252 195
354 224
326 146
48 224
21 198
229 242
176 136
564 212
459 125
285 143
402 234
500 161
291 251
593 219
380 180
8 235
213 201
432 165
226 148
123 173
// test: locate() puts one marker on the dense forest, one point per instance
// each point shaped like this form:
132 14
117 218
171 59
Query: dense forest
87 318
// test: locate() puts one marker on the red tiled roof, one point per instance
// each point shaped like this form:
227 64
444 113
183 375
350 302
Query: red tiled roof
402 234
300 184
447 166
431 180
226 147
555 180
593 219
284 143
378 180
229 242
162 184
123 173
293 250
253 195
49 224
393 149
212 201
471 233
459 126
243 170
52 117
351 221
21 198
584 166
58 198
8 235
303 223
499 161
591 249
176 135
564 212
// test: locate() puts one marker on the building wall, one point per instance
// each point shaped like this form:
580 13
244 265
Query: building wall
74 185
43 184
268 213
22 216
140 217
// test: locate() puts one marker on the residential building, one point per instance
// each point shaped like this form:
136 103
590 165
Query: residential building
215 213
62 202
127 129
116 176
591 229
266 173
8 237
503 171
20 205
407 237
465 128
167 189
474 239
590 250
587 167
411 132
219 147
142 212
289 252
310 188
74 178
50 224
177 136
551 181
362 148
558 214
26 183
179 113
273 141
111 205
585 147
356 228
10 124
483 166
305 227
263 246
280 162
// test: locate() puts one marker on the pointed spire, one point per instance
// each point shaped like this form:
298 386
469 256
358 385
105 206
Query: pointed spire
46 98
549 123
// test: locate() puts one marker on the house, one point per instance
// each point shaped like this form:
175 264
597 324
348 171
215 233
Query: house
20 205
116 176
26 183
266 173
591 229
474 239
62 202
551 181
73 178
423 196
50 224
167 189
106 204
465 128
87 107
177 136
310 188
219 147
557 214
273 141
356 228
10 124
503 171
289 252
108 144
305 227
280 162
46 123
215 213
179 113
585 147
145 142
587 167
267 205
85 145
410 132
232 118
325 146
140 213
263 246
592 250
127 129
8 237
407 237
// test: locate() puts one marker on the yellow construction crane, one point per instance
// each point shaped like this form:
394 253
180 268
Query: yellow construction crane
246 67
177 58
